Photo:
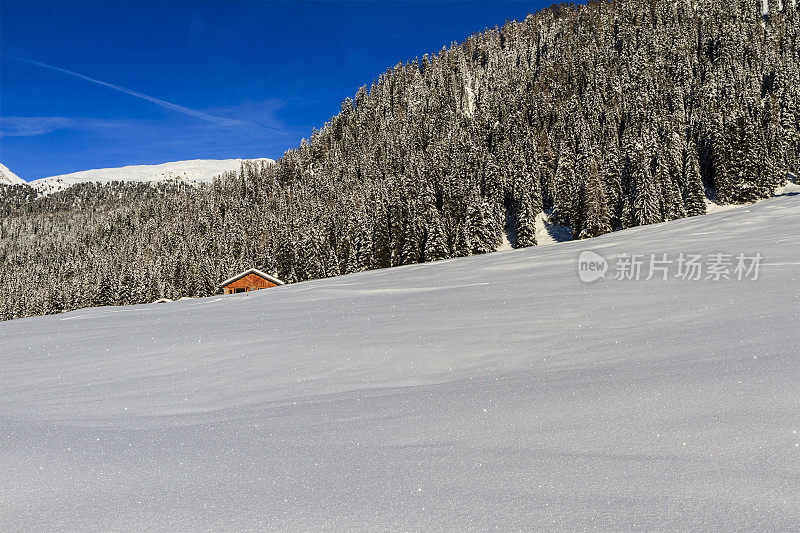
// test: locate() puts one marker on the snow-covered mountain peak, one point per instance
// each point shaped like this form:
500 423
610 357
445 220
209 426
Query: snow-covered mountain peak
191 171
9 178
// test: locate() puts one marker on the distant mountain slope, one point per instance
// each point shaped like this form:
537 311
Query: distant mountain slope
9 178
493 392
193 171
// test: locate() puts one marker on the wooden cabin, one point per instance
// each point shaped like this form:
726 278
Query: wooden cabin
249 280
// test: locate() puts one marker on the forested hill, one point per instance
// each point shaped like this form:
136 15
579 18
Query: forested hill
608 115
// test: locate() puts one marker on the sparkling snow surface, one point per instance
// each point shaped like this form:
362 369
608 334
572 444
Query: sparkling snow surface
494 391
193 171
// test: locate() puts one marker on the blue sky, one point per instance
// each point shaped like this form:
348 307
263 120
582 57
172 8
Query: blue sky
103 84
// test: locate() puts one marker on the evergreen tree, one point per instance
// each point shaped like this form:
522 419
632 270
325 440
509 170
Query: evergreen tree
694 195
436 244
525 227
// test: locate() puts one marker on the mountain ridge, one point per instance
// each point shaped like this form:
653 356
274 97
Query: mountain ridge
189 171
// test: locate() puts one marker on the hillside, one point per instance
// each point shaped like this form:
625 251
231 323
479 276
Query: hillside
600 117
9 178
488 392
193 171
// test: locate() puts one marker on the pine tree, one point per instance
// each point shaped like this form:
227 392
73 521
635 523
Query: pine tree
525 227
435 244
104 294
694 195
480 238
595 219
564 192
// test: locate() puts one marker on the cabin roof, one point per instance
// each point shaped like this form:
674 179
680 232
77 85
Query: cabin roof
255 271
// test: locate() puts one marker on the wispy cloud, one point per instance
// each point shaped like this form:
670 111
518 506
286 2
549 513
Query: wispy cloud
32 126
219 121
264 114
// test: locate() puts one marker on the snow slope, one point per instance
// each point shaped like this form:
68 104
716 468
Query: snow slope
193 171
9 178
486 392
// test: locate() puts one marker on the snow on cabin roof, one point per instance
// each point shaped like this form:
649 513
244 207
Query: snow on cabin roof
255 271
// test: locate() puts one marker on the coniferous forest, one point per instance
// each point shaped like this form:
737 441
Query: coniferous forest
606 116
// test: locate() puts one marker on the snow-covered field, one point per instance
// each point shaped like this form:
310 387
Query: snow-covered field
489 392
193 171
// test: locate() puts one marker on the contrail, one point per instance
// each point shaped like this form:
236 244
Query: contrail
220 121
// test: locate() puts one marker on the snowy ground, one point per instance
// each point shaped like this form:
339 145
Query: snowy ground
488 392
546 233
549 233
